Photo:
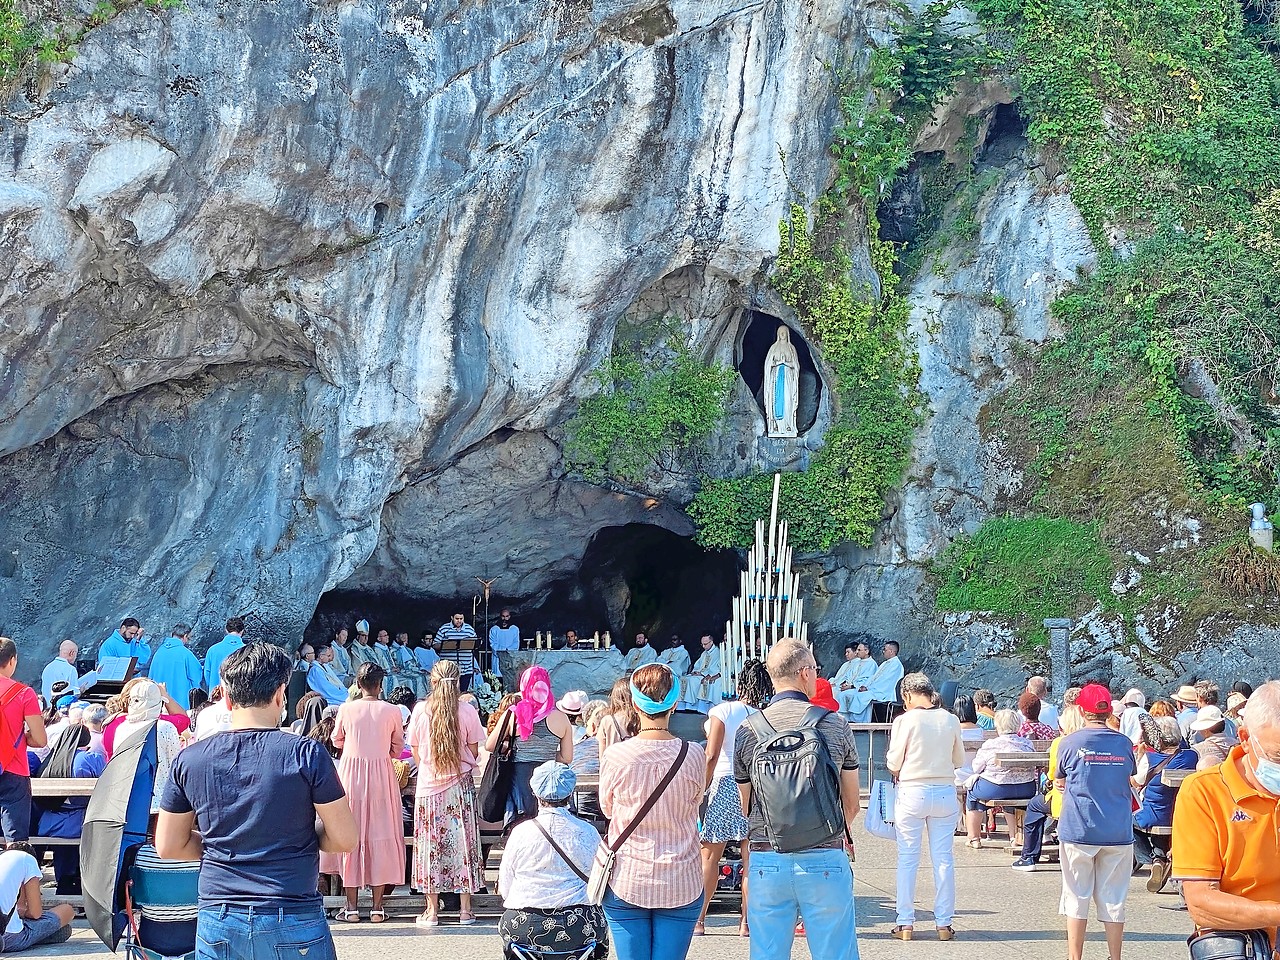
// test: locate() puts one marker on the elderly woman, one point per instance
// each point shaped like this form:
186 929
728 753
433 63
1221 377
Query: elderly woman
541 733
1165 751
993 781
146 704
543 876
925 749
1029 706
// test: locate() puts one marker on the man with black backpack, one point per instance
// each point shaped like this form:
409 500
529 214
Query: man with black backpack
796 766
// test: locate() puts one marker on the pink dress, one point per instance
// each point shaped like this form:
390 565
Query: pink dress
370 734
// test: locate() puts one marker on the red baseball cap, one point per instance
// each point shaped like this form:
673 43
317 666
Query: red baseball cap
1094 698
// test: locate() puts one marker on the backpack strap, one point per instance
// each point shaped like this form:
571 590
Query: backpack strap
813 716
560 850
653 798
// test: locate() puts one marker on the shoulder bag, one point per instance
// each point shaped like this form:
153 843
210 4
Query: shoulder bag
499 775
607 855
1229 945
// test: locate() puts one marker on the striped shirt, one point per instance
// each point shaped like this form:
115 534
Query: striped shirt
465 659
660 865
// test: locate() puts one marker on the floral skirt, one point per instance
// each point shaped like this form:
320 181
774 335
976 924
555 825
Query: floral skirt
567 930
724 820
446 841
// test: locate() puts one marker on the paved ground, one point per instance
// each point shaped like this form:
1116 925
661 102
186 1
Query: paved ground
1001 915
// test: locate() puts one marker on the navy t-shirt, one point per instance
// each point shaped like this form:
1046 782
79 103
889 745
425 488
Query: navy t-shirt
253 793
1097 806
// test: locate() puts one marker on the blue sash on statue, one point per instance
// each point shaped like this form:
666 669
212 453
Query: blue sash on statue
780 394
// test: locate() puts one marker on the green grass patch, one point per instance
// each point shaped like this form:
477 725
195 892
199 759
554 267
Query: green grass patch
1027 569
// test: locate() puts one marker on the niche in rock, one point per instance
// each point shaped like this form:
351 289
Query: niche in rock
634 577
759 331
1006 137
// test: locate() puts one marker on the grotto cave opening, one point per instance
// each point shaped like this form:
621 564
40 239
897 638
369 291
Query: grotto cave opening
759 330
634 577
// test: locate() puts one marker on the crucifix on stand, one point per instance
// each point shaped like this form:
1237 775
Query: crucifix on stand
487 584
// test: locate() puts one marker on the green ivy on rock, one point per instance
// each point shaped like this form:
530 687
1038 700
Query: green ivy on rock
861 328
648 412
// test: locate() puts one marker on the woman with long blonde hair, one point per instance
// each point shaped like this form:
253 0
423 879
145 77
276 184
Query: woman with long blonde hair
444 734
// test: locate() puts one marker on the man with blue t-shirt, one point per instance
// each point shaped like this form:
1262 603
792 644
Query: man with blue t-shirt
128 641
214 656
1096 827
247 802
177 667
504 640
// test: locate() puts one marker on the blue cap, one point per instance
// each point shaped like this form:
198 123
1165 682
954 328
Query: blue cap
552 781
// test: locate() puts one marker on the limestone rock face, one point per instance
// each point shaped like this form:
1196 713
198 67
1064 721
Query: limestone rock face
267 264
973 306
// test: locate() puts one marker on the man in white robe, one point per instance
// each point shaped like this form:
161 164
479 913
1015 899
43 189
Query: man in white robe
881 688
676 657
702 687
856 671
641 655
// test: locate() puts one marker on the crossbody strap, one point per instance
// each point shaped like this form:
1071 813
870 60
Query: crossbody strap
653 798
1151 773
560 850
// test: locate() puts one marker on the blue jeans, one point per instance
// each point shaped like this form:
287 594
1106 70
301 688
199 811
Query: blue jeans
817 885
643 933
260 933
15 806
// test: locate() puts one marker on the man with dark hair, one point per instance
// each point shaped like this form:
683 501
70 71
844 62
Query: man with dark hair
504 642
457 630
881 688
21 725
247 801
128 641
176 667
213 658
29 924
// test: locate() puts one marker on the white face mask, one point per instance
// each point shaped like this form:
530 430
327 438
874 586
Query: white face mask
1267 772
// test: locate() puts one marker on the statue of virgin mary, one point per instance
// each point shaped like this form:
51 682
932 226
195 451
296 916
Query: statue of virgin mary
781 386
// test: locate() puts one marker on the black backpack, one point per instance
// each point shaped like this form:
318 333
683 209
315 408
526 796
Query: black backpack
795 783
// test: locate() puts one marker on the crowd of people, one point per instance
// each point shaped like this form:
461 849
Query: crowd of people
404 773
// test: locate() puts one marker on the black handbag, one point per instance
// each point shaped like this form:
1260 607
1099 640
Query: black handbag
1230 945
499 776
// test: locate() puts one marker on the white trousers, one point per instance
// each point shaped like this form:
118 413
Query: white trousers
926 810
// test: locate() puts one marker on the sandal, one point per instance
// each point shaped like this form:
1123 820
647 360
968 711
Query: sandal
377 916
699 929
349 916
423 920
743 929
902 933
947 933
975 844
466 919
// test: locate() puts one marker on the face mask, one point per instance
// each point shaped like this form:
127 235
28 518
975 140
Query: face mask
1268 774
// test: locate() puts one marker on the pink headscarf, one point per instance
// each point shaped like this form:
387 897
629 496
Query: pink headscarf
536 700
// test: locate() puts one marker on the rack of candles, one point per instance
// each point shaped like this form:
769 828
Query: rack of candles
768 606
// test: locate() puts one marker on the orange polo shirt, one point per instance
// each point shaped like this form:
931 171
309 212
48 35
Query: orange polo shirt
1225 830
